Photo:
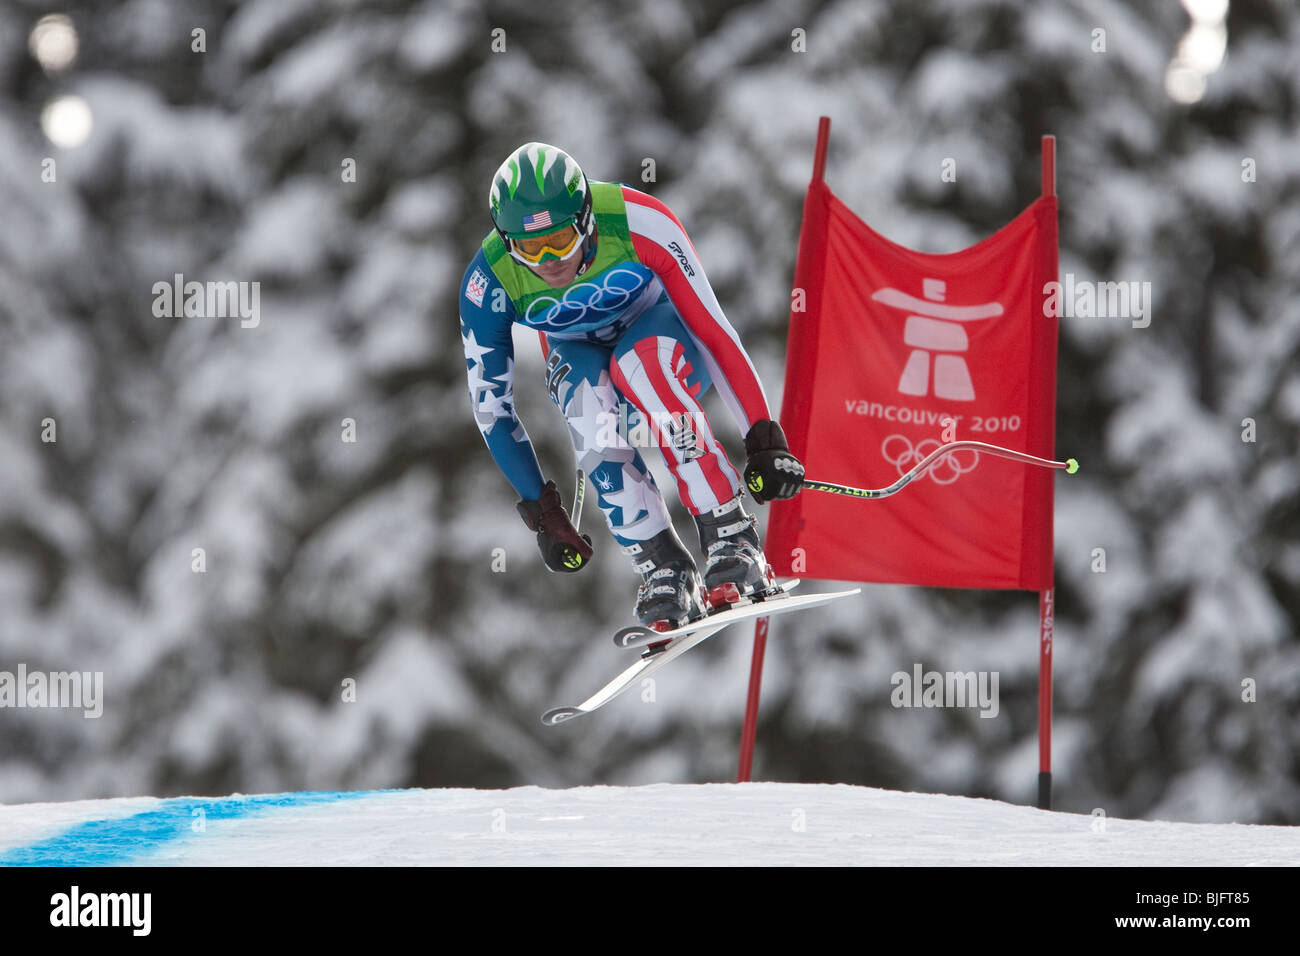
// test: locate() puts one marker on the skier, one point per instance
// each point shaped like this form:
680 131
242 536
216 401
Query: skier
608 277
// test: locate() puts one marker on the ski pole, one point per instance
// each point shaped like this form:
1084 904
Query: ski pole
571 557
579 490
811 484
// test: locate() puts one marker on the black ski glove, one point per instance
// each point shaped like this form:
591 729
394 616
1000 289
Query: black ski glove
771 471
563 549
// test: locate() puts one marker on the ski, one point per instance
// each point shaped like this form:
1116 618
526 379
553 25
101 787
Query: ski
672 647
638 635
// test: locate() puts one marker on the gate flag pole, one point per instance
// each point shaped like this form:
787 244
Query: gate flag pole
1047 597
760 626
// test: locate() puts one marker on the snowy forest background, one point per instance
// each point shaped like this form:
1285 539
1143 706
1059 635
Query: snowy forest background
329 560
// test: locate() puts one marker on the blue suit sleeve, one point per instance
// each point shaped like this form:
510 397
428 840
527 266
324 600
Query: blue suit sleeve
486 315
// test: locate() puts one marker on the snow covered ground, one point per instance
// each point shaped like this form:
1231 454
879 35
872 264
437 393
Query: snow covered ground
659 825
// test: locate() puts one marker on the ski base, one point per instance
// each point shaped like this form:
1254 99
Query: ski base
637 635
667 648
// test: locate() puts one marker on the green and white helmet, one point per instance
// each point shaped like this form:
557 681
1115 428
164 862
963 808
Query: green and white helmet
539 188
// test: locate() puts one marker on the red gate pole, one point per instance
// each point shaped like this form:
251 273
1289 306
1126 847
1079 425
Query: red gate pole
750 731
1046 598
751 704
1046 616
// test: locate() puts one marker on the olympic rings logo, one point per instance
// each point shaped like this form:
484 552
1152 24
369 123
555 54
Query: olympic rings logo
606 296
899 452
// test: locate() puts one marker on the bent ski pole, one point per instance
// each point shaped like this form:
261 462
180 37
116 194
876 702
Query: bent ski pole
811 484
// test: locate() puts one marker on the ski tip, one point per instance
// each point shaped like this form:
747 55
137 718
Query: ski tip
632 636
559 715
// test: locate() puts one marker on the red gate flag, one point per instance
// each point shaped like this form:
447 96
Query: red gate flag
893 352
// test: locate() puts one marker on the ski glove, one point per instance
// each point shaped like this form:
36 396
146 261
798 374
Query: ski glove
563 549
771 471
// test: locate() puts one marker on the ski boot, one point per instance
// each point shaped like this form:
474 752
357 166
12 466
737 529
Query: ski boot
736 570
671 593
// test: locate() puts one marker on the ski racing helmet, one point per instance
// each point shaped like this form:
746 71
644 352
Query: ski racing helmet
540 204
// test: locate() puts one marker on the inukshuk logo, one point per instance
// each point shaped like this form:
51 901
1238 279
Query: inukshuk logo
936 328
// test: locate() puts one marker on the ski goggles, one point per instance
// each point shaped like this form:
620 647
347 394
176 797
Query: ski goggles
561 243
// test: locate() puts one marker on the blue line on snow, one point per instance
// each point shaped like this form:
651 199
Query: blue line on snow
117 842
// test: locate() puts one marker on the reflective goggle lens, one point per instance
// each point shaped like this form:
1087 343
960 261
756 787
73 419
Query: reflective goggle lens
560 243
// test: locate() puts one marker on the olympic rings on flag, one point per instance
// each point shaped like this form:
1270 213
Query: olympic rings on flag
904 456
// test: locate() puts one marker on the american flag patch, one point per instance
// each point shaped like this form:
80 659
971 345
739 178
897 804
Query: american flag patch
476 288
539 221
